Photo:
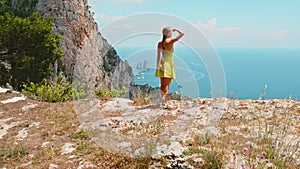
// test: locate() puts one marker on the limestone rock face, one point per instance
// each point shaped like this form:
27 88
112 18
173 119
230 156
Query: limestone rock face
87 55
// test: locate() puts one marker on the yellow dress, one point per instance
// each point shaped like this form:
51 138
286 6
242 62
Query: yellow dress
166 66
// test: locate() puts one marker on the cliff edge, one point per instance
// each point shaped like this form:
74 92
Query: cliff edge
199 133
87 55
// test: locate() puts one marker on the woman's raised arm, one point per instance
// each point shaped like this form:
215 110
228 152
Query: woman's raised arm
180 34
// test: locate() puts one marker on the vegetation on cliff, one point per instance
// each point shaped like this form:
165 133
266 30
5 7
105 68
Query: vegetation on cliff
29 47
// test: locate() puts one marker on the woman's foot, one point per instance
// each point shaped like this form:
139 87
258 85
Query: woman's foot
164 104
169 106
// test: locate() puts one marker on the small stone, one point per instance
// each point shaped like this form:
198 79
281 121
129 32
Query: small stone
45 144
67 148
86 164
13 100
72 156
53 166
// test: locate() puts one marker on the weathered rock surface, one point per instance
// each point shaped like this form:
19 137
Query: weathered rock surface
87 56
165 135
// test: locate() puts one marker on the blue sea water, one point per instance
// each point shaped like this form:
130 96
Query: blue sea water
247 72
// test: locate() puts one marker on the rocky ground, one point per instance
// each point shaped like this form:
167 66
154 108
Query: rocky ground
116 133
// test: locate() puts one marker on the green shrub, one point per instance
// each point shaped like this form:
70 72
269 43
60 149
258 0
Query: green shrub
20 8
13 152
82 134
31 47
57 90
83 148
114 92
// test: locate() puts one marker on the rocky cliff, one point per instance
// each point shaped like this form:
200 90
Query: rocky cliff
199 133
88 57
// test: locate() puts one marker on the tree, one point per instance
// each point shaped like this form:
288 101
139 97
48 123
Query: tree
31 47
21 8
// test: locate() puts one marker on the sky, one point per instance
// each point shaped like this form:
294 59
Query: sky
230 23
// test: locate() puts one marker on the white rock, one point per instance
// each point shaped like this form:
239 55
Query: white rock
35 124
12 100
29 106
86 164
118 104
198 160
124 147
45 144
22 134
72 156
53 166
210 130
175 148
4 127
4 90
67 148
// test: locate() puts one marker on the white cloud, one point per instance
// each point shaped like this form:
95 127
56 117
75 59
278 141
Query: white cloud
235 36
219 36
230 29
211 27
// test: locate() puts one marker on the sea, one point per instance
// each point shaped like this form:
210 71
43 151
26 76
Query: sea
238 73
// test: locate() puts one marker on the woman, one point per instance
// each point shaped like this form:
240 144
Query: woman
165 63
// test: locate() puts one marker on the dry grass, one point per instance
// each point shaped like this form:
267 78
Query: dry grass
141 101
254 143
58 125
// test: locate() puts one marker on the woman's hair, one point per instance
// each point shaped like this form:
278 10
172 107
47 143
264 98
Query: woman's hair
165 32
164 42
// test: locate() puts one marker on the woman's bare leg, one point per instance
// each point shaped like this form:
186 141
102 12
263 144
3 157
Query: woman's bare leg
167 81
164 88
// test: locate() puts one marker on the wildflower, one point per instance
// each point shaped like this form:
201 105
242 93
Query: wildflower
273 145
231 166
282 154
264 153
261 156
270 165
245 148
267 161
234 142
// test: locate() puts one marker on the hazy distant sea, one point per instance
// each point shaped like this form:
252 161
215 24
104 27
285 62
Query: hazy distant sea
247 72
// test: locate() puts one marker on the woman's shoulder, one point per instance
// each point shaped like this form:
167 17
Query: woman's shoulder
171 40
159 44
